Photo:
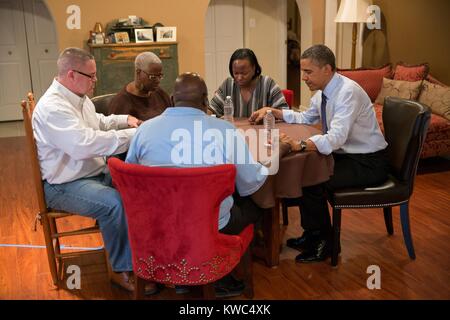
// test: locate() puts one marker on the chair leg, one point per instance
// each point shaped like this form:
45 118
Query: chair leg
247 266
209 293
404 216
50 249
336 236
139 289
388 220
284 210
57 247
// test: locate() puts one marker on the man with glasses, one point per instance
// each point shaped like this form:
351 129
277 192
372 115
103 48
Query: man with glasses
143 97
73 142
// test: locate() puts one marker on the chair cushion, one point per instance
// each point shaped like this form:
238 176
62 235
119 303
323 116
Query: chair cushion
437 98
400 89
369 79
411 72
391 192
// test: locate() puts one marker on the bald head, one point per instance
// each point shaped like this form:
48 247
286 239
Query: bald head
190 91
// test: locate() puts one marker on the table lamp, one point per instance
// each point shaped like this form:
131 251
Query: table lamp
353 11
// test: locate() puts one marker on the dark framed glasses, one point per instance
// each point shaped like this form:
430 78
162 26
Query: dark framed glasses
154 76
90 76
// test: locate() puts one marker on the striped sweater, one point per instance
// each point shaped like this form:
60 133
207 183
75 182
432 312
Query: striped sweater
266 93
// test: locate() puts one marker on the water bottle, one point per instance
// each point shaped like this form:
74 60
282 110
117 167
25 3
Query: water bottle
269 124
228 109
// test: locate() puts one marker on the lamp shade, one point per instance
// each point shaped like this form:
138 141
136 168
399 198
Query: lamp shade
352 11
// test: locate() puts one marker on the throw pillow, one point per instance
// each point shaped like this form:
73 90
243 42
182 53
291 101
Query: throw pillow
411 73
433 80
397 88
437 98
369 79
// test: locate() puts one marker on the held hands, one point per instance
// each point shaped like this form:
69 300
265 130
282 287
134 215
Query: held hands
294 145
285 144
133 122
258 116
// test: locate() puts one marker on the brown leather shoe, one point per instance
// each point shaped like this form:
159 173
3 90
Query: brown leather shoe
125 280
151 288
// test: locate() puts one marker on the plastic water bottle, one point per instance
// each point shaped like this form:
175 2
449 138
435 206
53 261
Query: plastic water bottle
228 109
269 124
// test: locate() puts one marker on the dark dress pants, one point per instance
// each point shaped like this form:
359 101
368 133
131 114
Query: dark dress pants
350 170
244 212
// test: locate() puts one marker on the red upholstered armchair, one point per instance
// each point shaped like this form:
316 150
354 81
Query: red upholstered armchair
289 96
172 218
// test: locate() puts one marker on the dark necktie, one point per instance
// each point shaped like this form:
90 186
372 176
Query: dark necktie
323 114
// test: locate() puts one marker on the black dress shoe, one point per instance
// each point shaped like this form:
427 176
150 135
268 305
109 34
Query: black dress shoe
320 250
228 286
302 242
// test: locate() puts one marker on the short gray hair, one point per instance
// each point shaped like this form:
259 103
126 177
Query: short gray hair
144 59
72 58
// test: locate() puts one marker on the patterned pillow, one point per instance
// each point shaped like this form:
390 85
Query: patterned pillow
369 79
433 80
397 88
437 98
411 73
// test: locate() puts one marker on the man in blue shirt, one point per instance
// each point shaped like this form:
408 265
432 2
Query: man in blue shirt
349 130
185 136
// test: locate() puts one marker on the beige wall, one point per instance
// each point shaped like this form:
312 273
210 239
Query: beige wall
318 21
265 38
188 16
414 31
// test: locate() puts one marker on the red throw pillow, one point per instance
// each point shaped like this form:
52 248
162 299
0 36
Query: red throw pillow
406 72
370 79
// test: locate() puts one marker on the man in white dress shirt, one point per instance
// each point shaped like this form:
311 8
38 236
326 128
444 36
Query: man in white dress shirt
73 142
349 130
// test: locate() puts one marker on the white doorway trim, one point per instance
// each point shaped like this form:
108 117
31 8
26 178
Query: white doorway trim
304 7
282 31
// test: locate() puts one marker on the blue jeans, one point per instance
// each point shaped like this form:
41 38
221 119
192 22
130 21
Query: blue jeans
94 197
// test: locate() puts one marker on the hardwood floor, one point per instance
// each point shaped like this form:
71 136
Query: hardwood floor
24 272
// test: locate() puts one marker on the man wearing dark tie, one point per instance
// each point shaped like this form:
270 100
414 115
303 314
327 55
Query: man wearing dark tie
350 132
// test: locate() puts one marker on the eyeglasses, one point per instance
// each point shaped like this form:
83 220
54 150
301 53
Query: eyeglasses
92 77
154 76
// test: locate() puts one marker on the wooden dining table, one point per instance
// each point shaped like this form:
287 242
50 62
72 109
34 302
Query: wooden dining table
295 171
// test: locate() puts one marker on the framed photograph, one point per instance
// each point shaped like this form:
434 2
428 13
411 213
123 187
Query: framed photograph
121 37
143 35
166 34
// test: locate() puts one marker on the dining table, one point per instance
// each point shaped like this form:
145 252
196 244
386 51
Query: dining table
296 170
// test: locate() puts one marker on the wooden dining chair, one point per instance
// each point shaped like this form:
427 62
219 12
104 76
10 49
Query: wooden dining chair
47 216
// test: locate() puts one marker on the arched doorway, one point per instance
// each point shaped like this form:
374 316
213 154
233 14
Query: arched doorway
216 62
28 53
256 24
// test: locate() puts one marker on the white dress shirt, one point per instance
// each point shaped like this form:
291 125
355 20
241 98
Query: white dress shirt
72 139
353 127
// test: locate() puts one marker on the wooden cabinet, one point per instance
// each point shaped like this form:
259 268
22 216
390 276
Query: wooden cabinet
115 64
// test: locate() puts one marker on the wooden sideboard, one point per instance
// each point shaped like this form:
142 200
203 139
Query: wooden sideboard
115 64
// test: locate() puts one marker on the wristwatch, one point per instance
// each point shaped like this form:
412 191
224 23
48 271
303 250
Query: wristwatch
303 145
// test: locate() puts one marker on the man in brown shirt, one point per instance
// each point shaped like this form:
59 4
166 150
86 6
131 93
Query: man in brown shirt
142 98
